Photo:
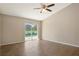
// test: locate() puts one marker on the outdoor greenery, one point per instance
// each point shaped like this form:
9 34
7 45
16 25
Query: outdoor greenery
30 31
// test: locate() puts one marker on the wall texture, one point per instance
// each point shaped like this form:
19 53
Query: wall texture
63 26
13 29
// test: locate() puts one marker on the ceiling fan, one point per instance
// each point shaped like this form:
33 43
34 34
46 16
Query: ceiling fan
45 7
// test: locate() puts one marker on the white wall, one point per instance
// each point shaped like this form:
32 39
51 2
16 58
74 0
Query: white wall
0 29
63 26
13 29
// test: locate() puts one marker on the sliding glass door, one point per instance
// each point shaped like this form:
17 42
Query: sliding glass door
30 32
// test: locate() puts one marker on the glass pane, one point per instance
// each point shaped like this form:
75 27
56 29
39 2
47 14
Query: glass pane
30 31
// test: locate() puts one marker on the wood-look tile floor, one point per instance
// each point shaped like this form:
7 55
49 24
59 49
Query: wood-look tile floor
39 48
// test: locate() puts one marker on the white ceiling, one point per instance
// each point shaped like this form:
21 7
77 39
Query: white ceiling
27 10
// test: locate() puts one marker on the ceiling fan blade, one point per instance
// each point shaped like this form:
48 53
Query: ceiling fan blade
42 4
41 11
49 10
51 5
37 8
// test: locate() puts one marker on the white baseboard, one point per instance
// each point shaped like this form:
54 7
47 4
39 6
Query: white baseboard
47 40
64 43
11 43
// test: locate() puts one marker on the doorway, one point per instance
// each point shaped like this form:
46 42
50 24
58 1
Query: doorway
31 32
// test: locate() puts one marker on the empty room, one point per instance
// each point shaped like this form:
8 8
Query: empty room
39 29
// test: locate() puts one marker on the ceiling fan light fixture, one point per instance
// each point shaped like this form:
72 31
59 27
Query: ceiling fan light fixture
44 10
